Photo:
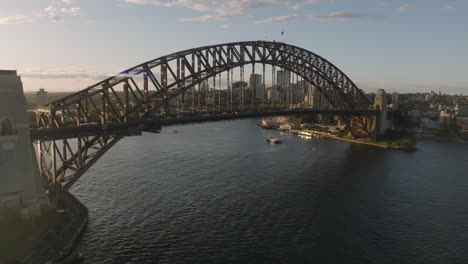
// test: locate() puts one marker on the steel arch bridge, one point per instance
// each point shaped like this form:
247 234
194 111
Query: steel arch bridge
75 131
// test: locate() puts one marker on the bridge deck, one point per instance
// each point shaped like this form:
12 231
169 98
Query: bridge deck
133 128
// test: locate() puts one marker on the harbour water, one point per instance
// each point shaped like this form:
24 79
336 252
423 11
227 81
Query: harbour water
218 193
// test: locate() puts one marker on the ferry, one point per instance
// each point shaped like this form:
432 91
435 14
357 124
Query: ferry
273 140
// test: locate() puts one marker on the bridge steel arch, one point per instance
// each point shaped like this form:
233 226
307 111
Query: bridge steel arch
183 70
145 89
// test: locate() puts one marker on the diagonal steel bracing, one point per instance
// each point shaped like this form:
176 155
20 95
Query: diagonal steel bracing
155 88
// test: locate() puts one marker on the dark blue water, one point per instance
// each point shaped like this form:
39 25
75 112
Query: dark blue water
218 193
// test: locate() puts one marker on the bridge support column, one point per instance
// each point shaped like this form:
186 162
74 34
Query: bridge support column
20 180
380 123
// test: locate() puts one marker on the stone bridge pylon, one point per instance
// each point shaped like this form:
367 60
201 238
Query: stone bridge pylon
20 181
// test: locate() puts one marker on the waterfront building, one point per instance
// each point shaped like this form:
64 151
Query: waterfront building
461 110
447 119
462 123
20 180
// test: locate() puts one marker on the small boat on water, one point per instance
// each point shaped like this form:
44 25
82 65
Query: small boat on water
273 140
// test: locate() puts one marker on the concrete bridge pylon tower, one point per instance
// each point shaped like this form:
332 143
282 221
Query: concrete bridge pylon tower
20 181
380 103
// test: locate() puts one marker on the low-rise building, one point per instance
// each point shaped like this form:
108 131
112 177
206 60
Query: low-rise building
447 119
462 110
462 123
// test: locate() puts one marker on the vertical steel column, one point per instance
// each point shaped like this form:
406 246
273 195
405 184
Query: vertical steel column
206 81
220 77
183 87
232 87
54 163
193 86
214 82
228 91
180 85
164 83
145 91
103 107
199 74
230 76
80 157
126 102
83 106
79 114
281 88
179 88
242 53
242 88
219 91
263 90
40 156
254 86
64 152
273 84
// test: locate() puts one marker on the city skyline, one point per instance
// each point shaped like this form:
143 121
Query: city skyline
404 46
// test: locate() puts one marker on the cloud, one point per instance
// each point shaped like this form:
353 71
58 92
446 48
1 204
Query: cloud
346 15
17 19
72 11
53 13
405 8
221 10
449 8
318 1
277 19
62 73
215 17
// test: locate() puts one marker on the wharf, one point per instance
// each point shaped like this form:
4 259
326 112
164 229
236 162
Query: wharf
320 135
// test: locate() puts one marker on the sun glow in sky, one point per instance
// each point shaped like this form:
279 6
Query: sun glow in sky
66 45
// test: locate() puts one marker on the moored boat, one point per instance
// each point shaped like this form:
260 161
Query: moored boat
273 140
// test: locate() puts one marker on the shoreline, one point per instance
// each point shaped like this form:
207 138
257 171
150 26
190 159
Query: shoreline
312 133
439 138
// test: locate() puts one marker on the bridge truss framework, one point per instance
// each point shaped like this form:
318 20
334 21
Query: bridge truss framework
146 91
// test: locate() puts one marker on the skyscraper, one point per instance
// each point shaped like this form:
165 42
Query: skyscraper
256 86
395 102
283 78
